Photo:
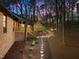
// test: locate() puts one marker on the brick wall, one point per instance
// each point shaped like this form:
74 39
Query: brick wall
6 39
19 36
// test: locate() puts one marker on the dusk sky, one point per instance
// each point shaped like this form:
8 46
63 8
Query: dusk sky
38 2
13 7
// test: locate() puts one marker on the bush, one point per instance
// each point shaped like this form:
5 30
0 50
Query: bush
39 27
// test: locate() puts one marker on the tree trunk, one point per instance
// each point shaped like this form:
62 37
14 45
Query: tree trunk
34 14
56 3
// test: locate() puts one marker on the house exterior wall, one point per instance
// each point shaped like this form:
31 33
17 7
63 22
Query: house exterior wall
19 31
15 26
19 36
19 27
6 39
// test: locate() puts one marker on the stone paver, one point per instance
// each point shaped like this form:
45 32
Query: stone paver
35 52
21 51
18 51
15 51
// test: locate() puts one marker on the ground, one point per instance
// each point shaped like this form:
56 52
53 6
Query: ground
62 51
21 51
53 47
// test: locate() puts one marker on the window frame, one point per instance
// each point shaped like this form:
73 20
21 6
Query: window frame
4 23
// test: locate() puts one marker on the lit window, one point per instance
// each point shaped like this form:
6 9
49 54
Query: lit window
4 24
22 25
4 20
28 26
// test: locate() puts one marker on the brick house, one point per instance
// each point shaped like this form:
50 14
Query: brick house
7 27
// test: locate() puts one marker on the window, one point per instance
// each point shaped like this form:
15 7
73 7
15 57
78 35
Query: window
78 7
4 24
13 26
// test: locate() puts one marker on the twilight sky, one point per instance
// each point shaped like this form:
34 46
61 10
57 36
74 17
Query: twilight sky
38 2
17 9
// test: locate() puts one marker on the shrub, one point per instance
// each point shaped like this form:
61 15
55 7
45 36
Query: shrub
39 27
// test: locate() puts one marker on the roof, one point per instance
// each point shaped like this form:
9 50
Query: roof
10 14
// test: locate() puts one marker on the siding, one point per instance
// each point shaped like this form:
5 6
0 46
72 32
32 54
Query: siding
19 36
6 39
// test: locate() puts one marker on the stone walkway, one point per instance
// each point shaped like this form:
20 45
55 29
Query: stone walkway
18 51
21 51
15 51
35 53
